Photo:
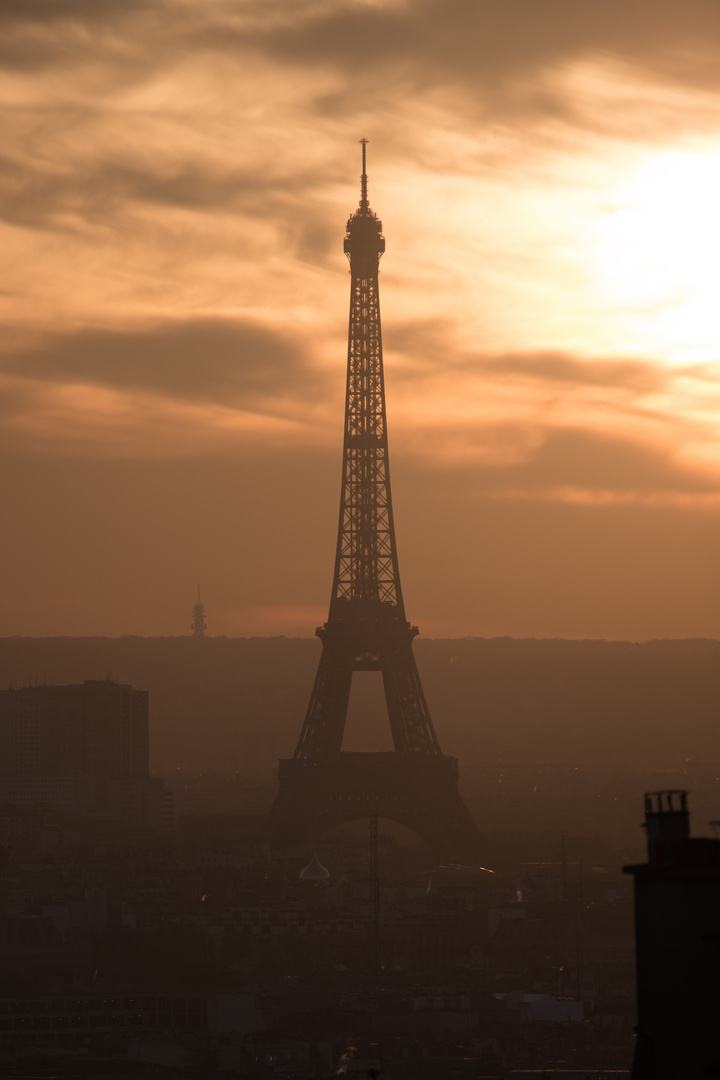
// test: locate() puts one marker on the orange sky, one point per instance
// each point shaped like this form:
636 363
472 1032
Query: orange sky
175 182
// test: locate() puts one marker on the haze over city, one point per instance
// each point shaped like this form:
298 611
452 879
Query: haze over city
175 182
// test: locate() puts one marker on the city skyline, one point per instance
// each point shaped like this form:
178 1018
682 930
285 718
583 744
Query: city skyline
174 307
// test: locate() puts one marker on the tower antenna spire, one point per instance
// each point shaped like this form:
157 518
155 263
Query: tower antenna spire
364 204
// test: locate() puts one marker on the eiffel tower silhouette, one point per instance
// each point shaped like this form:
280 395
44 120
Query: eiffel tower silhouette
415 784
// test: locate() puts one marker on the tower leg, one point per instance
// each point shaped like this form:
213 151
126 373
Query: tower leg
324 725
410 723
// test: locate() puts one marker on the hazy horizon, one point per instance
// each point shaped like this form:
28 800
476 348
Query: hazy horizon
313 637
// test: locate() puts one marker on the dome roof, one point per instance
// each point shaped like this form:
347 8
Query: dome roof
314 871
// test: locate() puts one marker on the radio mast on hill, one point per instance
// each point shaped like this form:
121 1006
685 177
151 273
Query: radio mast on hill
198 624
366 628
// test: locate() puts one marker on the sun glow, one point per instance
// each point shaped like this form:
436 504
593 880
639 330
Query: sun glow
657 256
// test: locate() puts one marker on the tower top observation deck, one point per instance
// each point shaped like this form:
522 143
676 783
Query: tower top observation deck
364 228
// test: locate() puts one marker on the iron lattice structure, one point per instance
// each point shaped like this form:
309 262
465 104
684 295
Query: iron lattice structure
366 629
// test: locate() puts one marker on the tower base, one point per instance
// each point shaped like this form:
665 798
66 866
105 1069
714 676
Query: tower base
419 791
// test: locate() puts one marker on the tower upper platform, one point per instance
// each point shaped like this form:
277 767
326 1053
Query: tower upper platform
364 228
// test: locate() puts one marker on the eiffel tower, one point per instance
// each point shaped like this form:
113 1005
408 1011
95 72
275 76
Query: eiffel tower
415 784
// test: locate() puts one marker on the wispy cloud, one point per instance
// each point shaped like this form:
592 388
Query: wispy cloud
174 181
227 362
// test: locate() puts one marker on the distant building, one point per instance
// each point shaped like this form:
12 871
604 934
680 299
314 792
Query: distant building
76 1016
677 915
79 748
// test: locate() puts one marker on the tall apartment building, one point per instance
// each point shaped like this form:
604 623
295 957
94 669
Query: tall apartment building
79 748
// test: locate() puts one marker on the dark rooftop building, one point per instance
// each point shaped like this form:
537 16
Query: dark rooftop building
677 915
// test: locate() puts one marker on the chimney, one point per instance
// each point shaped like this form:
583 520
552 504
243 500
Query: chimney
667 821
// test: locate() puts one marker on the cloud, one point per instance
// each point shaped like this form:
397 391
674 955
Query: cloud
223 361
112 190
428 348
40 194
632 376
499 47
43 11
578 459
564 465
538 425
554 426
194 387
499 408
46 35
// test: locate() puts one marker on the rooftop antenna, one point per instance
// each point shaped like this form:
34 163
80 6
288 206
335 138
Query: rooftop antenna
364 204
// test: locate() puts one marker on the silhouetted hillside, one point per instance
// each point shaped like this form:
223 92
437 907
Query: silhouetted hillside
223 702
